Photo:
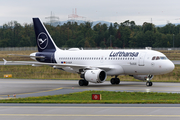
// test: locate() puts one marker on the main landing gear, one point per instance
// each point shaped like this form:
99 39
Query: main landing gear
83 82
115 80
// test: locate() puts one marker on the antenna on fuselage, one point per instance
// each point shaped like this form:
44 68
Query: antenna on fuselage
148 48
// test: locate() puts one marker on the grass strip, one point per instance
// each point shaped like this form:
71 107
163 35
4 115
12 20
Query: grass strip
110 97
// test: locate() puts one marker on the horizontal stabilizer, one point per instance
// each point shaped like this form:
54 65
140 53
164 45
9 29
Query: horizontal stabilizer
27 56
5 62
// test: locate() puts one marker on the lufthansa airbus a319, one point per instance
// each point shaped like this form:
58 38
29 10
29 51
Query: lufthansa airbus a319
95 65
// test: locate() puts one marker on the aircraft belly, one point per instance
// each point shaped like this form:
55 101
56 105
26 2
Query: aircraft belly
135 70
115 70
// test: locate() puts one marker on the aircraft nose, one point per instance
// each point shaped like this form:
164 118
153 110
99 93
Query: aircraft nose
170 66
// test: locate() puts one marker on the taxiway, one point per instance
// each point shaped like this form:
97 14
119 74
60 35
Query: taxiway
90 111
31 87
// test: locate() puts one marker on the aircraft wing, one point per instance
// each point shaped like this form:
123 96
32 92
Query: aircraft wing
55 65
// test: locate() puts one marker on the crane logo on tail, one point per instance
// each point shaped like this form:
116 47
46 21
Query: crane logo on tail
42 40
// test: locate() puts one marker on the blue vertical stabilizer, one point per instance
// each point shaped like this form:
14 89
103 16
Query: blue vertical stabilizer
44 41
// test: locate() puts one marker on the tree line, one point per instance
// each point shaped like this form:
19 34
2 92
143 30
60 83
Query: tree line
71 34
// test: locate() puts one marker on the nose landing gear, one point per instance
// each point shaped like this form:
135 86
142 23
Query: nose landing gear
149 83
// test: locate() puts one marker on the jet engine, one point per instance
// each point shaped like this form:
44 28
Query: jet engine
143 77
95 76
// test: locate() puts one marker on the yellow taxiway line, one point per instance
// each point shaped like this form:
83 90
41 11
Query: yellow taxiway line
88 115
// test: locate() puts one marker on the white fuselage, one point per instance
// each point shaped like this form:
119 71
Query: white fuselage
120 62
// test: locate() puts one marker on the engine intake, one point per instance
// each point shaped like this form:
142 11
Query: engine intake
95 76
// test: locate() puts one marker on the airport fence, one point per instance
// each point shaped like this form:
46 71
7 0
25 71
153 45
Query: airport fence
18 49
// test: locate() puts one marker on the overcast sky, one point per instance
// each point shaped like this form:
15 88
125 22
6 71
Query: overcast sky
158 11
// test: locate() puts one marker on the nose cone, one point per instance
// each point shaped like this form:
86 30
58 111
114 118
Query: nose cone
169 66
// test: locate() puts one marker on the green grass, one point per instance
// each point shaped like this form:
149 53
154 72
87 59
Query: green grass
29 72
107 97
5 55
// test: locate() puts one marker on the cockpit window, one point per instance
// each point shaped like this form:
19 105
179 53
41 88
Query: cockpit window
154 58
163 58
159 58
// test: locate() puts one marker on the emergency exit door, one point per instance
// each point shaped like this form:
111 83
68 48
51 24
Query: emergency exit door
141 59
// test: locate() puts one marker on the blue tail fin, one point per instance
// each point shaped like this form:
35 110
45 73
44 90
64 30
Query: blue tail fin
44 41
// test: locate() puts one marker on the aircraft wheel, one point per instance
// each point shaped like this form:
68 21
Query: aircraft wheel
117 80
81 82
113 81
86 83
149 83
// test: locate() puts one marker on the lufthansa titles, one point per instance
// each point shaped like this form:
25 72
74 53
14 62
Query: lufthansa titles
123 54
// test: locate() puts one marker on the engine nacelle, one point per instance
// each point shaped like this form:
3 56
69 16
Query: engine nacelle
95 76
143 77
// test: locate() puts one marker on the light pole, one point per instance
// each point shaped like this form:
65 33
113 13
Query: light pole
110 42
173 41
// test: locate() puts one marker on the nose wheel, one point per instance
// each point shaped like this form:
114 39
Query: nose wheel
149 83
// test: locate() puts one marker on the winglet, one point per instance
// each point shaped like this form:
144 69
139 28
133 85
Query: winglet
5 61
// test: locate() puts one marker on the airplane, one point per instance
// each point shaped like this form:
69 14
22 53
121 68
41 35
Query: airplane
95 65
